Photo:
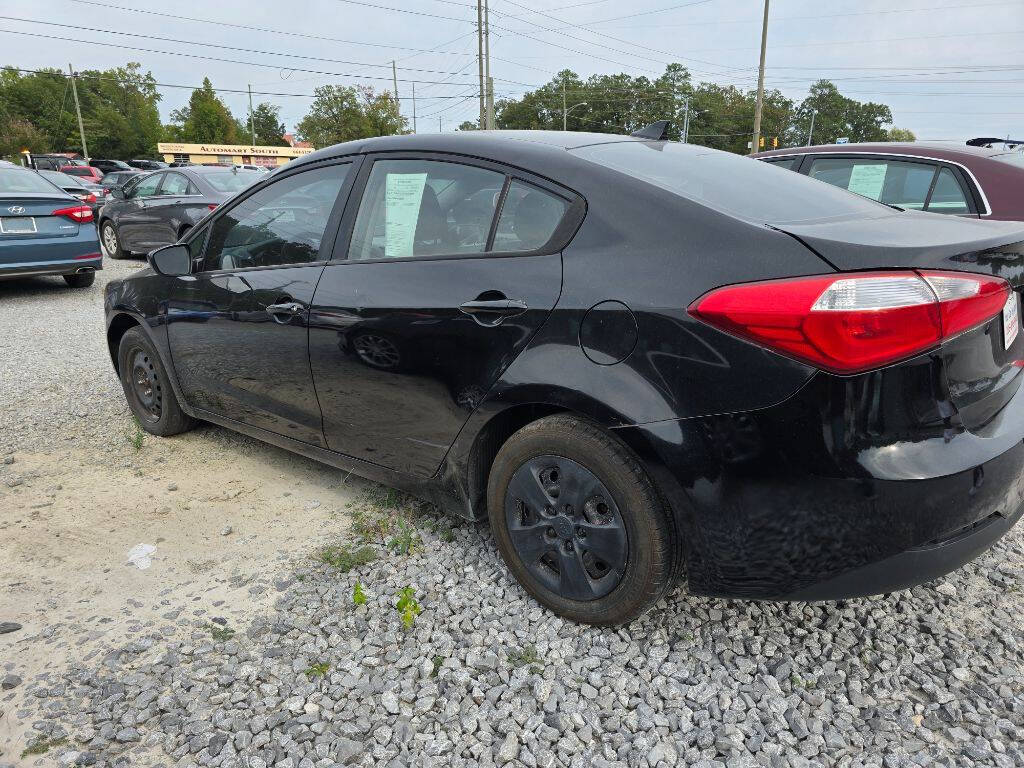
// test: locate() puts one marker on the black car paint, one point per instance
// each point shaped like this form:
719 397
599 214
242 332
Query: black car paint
784 481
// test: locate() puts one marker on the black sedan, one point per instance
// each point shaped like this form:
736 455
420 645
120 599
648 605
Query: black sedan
158 208
639 360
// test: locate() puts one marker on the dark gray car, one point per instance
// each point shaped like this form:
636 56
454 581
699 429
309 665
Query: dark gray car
159 208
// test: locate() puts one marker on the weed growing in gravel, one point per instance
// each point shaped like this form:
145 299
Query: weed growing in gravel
41 746
220 634
358 596
318 670
407 606
520 657
405 541
438 661
344 559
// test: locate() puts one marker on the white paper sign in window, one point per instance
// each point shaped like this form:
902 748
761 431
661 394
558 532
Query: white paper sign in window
402 195
867 180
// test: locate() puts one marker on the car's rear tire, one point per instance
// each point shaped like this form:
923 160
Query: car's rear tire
147 386
111 241
579 523
81 279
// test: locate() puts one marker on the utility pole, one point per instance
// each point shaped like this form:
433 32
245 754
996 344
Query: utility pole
565 121
487 67
78 111
439 129
480 59
760 83
252 126
394 82
414 106
810 133
686 119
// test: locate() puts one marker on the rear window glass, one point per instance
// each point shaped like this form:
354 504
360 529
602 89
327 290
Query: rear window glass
75 170
230 182
731 183
17 180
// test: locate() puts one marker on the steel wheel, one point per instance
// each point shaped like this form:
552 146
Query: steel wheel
146 386
378 351
566 528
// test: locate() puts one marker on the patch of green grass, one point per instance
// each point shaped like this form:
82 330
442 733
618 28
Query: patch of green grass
358 595
221 634
318 670
344 559
438 661
135 434
405 541
41 746
447 534
407 606
520 657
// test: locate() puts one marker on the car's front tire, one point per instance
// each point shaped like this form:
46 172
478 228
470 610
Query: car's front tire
80 279
579 523
111 241
147 386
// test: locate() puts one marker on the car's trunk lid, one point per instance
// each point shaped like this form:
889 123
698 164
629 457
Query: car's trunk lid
980 372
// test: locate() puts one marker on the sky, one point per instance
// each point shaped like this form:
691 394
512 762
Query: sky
949 69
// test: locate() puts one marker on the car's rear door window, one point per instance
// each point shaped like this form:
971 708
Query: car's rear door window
893 182
283 223
425 208
789 163
174 184
948 196
529 217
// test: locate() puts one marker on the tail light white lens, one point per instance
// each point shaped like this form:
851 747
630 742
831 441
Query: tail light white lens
77 213
854 322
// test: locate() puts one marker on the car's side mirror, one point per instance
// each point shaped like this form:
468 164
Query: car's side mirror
174 260
117 192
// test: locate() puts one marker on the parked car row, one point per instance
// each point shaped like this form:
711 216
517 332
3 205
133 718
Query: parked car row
637 359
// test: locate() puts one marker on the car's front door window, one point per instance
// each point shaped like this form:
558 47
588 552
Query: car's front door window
283 223
425 208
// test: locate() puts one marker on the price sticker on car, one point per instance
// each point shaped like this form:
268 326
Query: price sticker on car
1011 319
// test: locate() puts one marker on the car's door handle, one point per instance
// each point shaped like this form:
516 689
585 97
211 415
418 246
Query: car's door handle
493 311
283 312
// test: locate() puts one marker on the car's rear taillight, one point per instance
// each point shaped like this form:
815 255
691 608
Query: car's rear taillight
212 206
78 213
848 323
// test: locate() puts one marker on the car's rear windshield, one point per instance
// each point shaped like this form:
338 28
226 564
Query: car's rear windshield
13 180
230 182
62 179
77 170
731 183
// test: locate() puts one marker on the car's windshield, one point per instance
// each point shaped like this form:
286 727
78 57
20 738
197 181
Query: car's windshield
731 183
1013 158
230 182
18 180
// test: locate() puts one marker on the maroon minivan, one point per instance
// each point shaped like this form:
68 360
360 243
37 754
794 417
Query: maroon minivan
982 182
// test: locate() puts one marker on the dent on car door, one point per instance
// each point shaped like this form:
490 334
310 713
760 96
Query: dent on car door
450 270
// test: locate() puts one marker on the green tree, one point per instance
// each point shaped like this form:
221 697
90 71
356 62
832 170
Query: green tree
17 134
900 134
207 119
266 121
468 125
344 113
837 116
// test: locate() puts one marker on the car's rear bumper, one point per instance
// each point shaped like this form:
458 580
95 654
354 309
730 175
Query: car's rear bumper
854 486
61 267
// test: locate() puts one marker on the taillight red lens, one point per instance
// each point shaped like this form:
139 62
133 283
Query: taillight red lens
212 206
848 323
78 213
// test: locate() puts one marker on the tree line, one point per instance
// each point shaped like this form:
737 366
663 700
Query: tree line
120 112
720 116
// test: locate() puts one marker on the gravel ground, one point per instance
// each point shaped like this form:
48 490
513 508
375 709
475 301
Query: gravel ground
473 672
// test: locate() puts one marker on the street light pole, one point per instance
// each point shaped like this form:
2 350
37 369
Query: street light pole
252 125
686 119
78 111
760 83
480 60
